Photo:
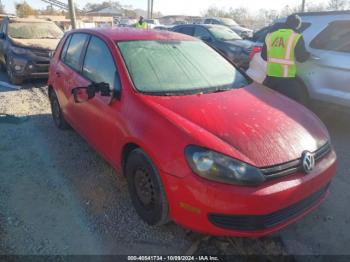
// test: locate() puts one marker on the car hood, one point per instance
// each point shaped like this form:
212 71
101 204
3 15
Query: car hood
246 44
262 125
48 44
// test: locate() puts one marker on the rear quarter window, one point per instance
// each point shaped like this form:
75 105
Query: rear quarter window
335 37
65 47
187 30
74 51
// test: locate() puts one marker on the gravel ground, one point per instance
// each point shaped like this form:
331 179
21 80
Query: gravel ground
58 196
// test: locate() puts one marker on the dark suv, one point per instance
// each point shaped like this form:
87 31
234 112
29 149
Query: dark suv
26 47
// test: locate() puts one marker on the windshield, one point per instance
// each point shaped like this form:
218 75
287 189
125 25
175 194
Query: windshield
168 67
34 30
228 21
224 33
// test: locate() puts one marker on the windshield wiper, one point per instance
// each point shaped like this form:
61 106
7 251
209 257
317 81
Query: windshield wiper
217 90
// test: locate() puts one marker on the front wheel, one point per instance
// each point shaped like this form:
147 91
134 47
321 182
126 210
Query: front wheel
146 189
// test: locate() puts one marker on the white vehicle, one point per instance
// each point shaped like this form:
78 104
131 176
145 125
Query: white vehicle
326 75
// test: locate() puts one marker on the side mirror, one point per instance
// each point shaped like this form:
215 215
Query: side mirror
206 38
90 91
2 35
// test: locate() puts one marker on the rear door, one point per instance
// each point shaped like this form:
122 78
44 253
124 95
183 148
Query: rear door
99 117
327 73
68 75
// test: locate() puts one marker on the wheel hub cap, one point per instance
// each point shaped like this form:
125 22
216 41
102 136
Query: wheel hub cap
144 187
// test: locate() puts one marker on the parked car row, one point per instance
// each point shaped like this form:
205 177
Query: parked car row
26 47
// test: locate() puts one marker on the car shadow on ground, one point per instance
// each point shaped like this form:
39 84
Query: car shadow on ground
6 86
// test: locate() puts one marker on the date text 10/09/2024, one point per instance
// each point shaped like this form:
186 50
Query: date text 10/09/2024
173 258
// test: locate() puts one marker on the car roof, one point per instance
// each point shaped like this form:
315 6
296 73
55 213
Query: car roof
310 16
203 25
323 13
133 34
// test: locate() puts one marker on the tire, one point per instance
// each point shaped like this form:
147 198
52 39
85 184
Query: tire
13 79
56 112
146 189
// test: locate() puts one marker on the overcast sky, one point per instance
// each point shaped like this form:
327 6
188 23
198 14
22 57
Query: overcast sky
171 7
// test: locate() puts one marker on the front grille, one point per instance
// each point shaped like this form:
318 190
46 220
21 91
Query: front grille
42 53
259 222
42 67
295 165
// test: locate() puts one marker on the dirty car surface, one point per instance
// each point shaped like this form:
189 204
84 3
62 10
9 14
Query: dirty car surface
27 46
197 142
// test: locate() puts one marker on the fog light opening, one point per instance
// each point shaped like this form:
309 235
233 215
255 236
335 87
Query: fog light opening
18 67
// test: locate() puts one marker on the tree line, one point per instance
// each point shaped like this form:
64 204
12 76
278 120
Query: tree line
265 16
23 9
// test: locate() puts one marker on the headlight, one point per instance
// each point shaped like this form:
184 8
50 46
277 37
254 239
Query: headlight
18 50
221 168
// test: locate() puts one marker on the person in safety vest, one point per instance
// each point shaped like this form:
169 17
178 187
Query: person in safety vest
282 49
141 24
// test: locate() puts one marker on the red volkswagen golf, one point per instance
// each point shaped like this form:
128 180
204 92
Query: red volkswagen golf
197 141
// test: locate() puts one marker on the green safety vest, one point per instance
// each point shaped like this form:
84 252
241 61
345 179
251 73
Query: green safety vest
141 26
280 53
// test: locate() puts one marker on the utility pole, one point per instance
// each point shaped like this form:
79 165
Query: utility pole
148 8
151 9
303 6
72 13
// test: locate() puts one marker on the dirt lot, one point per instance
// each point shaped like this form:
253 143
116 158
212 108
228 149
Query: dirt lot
57 196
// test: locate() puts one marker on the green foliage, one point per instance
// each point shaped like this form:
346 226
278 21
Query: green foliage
99 6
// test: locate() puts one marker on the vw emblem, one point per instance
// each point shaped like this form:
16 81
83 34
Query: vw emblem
308 162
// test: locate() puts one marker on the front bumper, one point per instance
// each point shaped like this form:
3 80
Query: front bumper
194 201
25 67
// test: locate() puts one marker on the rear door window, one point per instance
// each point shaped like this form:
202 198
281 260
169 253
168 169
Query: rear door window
187 30
74 51
335 37
99 65
201 32
65 47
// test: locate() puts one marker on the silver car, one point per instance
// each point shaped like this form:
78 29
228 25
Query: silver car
326 75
